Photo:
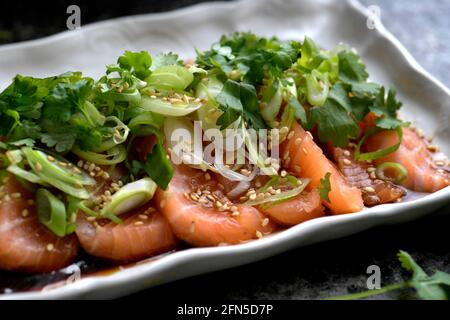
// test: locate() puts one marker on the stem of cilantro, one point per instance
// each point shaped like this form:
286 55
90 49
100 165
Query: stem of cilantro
370 293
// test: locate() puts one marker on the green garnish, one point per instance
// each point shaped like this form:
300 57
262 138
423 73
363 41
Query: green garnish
435 287
51 212
379 153
325 187
399 172
131 196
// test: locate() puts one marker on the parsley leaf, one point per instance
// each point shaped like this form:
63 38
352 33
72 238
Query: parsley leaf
165 59
239 99
351 67
137 62
429 288
333 123
156 166
325 187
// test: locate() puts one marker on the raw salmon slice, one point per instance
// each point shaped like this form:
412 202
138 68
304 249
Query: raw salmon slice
25 244
200 214
304 158
305 206
361 174
414 155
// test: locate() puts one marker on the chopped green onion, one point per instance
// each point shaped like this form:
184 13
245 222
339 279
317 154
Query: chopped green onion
299 186
114 155
400 172
24 174
61 177
131 196
51 212
379 153
317 88
146 118
171 77
166 108
272 107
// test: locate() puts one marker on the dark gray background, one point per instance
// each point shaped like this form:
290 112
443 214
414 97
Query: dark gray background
318 271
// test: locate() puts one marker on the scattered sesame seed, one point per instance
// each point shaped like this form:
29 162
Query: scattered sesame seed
298 141
346 153
369 189
283 173
297 169
207 176
50 158
372 175
310 135
50 247
16 195
91 219
305 151
252 196
439 163
265 222
139 223
30 202
371 169
347 162
38 166
80 163
433 148
441 171
25 213
259 235
290 135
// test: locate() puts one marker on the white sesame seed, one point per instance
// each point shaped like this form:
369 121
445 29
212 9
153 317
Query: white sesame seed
50 247
192 227
371 169
305 151
162 203
16 195
433 148
310 135
139 223
25 213
290 135
80 163
369 189
207 176
259 235
265 222
347 162
346 153
439 163
283 173
143 217
298 141
38 166
252 196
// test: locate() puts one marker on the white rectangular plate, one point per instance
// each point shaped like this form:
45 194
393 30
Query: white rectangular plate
426 104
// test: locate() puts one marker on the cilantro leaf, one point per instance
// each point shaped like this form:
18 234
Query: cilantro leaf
325 187
156 166
333 123
66 98
386 110
429 288
239 99
137 62
61 141
165 59
351 67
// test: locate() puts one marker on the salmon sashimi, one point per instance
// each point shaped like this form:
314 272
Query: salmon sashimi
305 158
305 206
414 155
200 214
361 174
25 244
144 232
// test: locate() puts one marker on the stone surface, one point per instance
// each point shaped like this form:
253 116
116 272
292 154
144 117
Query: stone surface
318 271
